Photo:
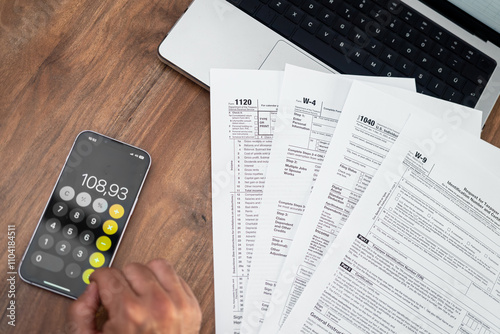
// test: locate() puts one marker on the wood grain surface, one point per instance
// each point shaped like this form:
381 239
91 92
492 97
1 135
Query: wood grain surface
71 65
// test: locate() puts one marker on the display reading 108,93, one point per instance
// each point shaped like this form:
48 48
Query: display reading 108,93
100 185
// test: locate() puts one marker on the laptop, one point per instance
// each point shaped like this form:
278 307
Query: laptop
450 47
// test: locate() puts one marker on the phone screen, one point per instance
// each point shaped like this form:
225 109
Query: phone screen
86 215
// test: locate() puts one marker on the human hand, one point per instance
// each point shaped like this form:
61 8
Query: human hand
140 299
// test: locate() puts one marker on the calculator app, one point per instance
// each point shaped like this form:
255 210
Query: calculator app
86 215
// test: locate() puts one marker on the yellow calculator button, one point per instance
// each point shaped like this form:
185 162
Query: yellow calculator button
116 211
96 260
110 227
86 275
103 243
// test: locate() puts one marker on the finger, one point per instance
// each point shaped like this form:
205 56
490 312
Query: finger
113 288
82 311
142 280
188 290
169 280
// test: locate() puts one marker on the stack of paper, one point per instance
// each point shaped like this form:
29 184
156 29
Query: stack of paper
350 205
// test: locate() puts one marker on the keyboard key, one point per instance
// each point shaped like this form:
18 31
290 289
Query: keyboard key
452 95
421 76
310 24
424 43
374 65
470 54
455 62
409 51
405 66
475 75
311 7
278 5
455 45
436 86
408 33
359 37
439 35
375 47
342 44
294 14
472 90
424 60
409 16
326 34
362 5
486 64
389 56
440 53
425 90
395 25
331 4
456 80
440 71
358 55
361 21
424 26
388 71
342 26
284 26
346 11
375 30
326 16
395 6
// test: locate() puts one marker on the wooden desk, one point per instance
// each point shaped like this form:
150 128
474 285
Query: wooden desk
70 65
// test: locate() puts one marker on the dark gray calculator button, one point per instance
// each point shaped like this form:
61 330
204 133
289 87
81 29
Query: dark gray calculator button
60 209
47 261
53 225
63 247
70 231
46 241
76 215
80 253
87 237
93 221
73 270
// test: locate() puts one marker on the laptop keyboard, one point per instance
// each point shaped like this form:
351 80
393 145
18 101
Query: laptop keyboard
379 37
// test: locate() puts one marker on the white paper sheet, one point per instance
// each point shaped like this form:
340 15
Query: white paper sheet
310 105
350 163
420 253
243 111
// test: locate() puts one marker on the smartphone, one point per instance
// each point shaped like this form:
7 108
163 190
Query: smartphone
86 215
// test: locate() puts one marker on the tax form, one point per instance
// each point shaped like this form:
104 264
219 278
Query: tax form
357 150
420 253
243 107
310 106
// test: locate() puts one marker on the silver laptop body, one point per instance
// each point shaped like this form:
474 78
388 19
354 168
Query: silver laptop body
216 34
